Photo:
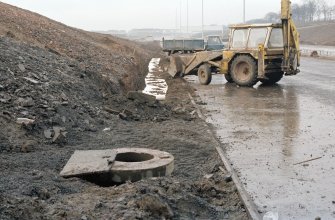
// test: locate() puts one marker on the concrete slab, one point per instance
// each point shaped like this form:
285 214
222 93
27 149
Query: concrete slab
89 162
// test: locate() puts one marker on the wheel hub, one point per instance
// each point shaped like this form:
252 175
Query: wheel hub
243 71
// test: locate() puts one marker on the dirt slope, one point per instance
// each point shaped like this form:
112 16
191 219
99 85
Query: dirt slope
116 60
318 34
52 91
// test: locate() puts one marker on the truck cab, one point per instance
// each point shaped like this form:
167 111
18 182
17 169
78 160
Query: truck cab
213 42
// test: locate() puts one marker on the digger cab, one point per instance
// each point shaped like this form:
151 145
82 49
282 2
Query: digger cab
247 38
254 53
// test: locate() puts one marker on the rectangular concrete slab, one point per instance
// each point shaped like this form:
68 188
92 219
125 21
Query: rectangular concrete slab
89 162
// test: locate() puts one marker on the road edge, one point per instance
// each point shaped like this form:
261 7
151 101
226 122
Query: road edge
246 199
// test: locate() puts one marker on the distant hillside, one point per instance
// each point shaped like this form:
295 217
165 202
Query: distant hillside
318 34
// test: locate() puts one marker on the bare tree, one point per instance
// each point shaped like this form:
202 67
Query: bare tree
309 11
324 8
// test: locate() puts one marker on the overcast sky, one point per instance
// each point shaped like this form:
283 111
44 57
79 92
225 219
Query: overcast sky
129 14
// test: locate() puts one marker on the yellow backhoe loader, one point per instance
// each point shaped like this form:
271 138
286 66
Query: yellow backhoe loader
257 52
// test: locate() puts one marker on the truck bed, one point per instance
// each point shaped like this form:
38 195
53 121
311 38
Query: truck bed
183 45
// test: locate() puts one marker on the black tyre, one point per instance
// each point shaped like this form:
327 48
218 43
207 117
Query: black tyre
244 71
228 78
272 78
205 74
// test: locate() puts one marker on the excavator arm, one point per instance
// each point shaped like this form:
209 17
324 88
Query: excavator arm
291 60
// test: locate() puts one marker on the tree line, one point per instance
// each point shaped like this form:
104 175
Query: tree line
307 12
313 10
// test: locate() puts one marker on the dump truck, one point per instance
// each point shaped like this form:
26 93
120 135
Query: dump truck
255 52
183 46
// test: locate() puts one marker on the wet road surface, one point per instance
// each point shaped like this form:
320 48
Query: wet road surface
268 133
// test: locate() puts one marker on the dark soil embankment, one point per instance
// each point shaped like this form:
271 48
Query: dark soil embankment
71 90
120 63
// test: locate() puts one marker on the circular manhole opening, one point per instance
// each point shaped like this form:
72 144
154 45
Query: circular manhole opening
132 157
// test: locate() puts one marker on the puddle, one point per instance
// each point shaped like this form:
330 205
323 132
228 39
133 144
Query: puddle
154 85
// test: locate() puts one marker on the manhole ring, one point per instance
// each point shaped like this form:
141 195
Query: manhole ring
134 164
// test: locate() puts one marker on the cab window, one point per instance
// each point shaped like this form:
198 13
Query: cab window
214 41
257 36
276 38
240 38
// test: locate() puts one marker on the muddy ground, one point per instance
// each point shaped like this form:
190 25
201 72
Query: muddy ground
31 188
56 94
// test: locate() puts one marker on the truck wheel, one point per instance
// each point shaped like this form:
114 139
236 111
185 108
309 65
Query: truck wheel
244 71
272 78
205 74
228 78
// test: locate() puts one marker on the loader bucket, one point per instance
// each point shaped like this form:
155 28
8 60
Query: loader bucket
184 64
176 66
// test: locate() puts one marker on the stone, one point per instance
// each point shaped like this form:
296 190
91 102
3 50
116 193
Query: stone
43 194
227 178
28 146
25 102
25 121
21 67
141 97
64 97
112 111
59 135
179 110
123 116
48 133
31 80
208 176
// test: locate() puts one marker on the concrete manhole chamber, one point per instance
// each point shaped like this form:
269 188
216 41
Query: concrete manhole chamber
136 164
118 166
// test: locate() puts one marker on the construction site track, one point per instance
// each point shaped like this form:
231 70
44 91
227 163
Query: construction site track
247 201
